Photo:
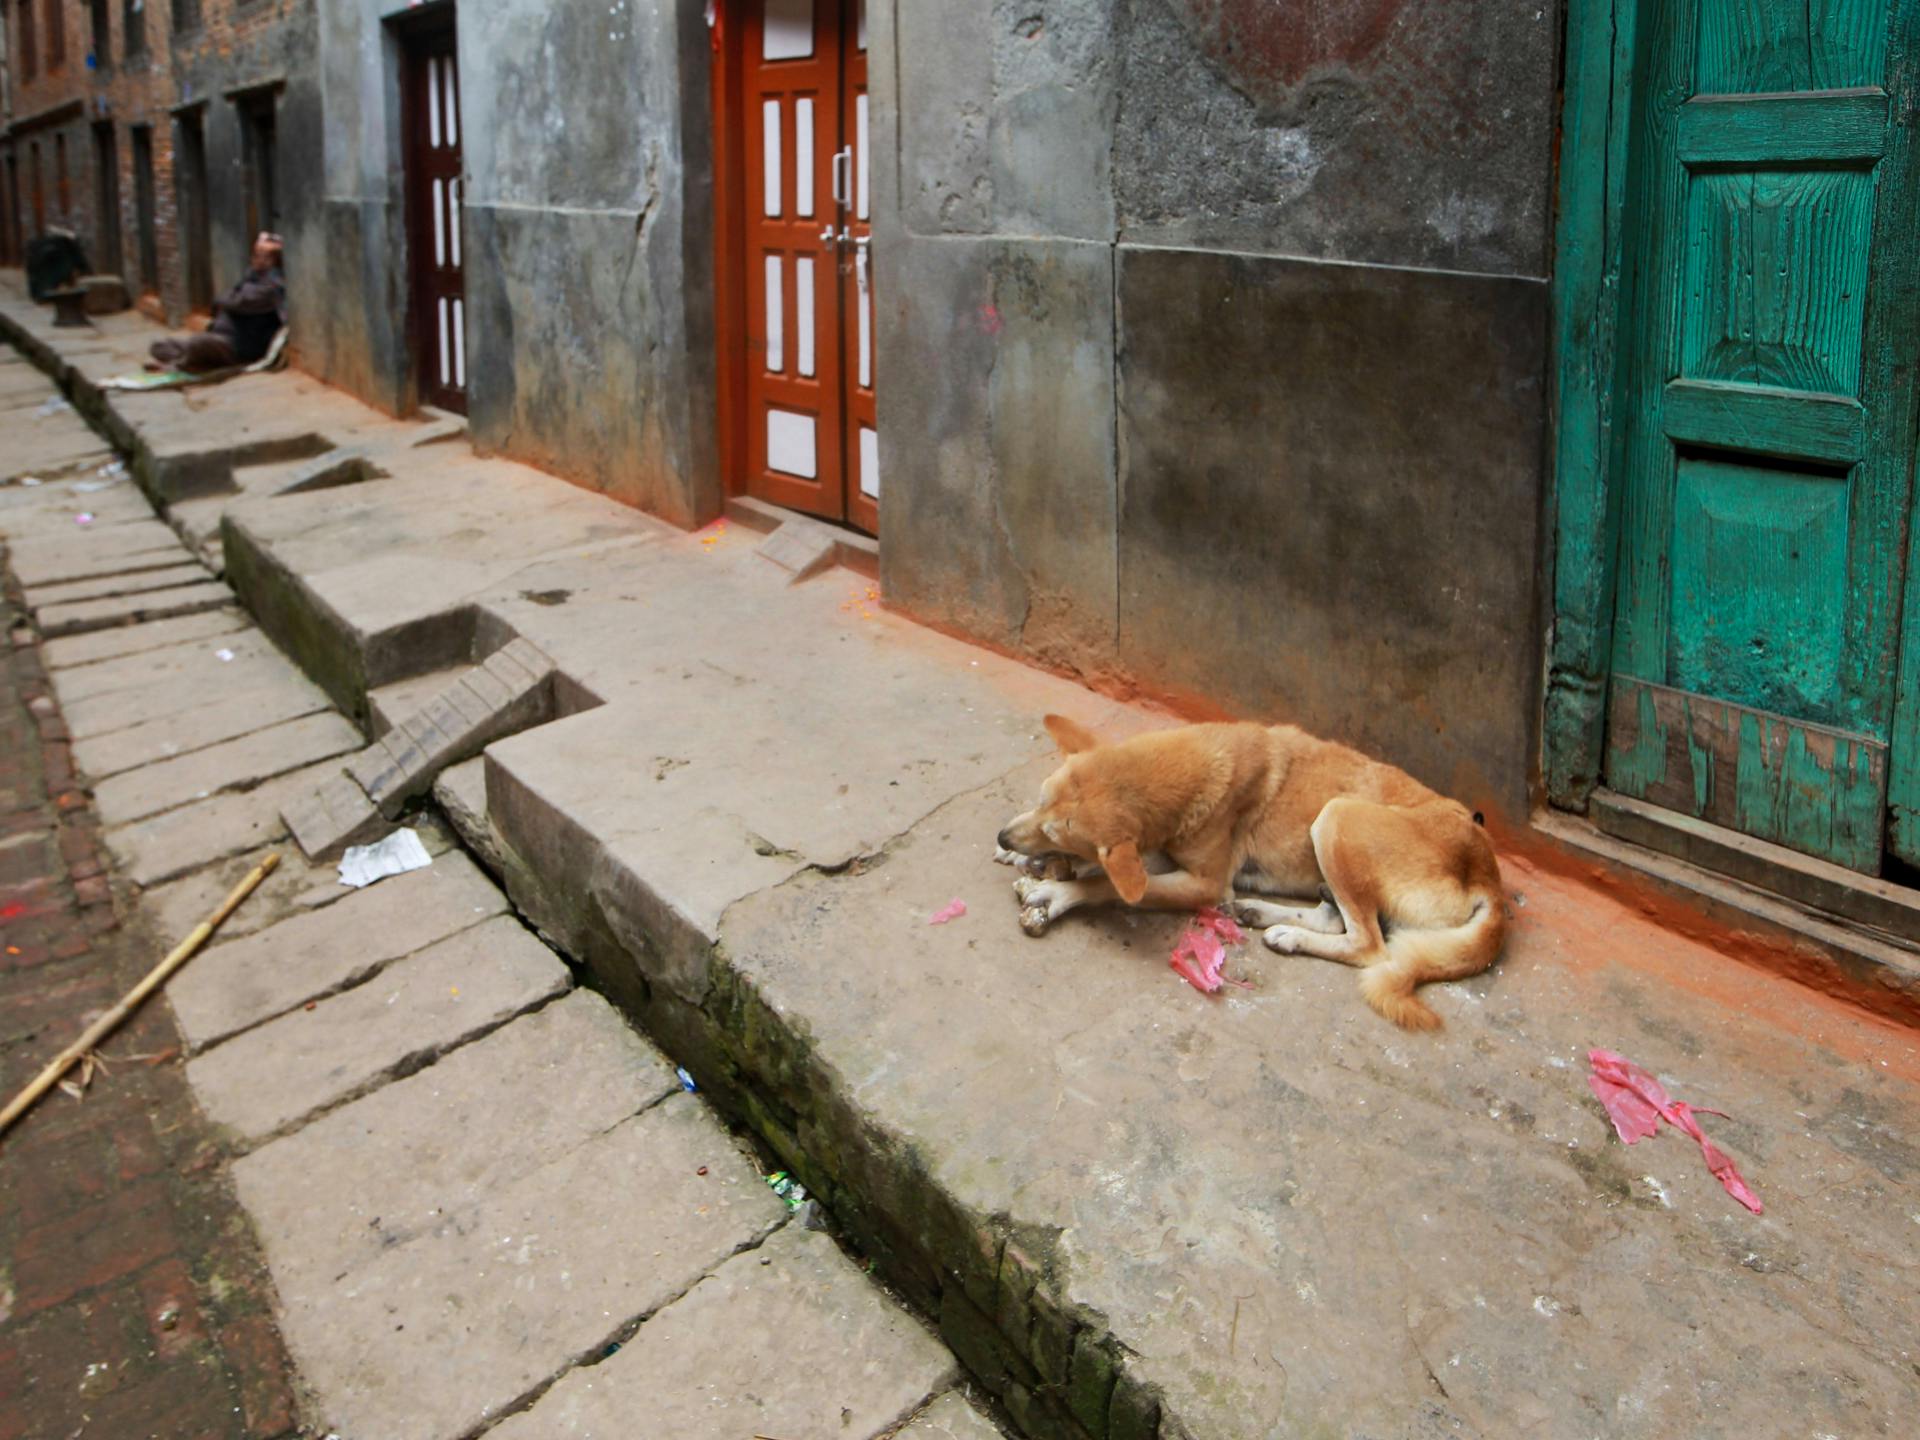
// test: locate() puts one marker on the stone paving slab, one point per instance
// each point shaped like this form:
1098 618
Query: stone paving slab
230 765
423 1154
294 888
68 591
83 615
166 846
81 651
271 1078
950 1418
254 708
789 1340
239 983
112 694
438 1334
112 549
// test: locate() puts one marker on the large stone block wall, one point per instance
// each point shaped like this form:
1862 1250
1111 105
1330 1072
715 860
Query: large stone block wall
1212 354
587 201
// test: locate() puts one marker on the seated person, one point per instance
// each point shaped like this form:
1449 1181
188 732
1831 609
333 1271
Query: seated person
245 319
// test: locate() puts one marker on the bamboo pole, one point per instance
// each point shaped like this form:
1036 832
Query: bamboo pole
156 977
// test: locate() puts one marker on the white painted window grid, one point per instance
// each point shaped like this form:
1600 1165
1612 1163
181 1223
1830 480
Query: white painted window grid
439 222
790 443
803 314
869 463
445 377
453 105
860 153
786 33
803 156
459 344
776 330
433 104
770 154
453 219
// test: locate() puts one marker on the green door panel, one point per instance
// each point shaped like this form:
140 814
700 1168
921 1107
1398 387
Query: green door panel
1766 389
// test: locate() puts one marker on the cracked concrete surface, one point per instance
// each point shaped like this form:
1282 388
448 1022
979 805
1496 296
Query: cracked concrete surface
1130 1209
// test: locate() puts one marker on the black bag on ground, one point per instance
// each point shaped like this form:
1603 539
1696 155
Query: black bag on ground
54 260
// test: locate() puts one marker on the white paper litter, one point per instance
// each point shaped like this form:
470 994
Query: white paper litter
398 853
223 655
53 407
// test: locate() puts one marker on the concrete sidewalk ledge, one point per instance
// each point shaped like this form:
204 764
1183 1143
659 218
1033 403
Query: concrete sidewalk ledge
1132 1210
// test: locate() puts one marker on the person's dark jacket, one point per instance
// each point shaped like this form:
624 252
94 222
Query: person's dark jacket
250 313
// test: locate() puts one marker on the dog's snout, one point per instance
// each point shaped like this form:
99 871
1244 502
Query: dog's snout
1001 839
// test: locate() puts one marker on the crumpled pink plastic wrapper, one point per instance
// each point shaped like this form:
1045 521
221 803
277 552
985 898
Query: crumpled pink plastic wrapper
952 910
1637 1103
1203 950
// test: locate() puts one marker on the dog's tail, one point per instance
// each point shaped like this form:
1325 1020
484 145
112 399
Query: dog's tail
1417 956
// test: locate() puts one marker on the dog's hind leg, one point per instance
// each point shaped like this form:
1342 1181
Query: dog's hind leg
1354 888
1323 919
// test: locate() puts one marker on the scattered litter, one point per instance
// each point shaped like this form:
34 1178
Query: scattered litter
31 480
712 535
686 1080
87 487
812 1217
223 655
12 910
1637 1103
85 517
788 1189
113 470
52 406
1203 950
952 910
398 853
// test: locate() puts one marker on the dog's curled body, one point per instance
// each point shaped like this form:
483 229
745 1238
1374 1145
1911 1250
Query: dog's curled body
1387 875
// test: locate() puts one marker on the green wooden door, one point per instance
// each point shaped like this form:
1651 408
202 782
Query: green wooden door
1765 416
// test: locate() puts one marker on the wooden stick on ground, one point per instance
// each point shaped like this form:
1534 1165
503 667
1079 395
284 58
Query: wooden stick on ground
156 977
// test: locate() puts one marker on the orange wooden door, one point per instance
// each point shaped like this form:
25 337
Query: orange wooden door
803 209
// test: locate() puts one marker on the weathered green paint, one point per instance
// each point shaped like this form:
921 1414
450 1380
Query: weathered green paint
1778 129
1778 778
1749 506
1587 286
1763 421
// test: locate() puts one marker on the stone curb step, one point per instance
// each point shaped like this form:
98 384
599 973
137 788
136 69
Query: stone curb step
508 692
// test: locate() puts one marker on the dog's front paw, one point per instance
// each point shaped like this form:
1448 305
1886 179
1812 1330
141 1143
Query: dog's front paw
1004 856
1249 914
1284 939
1034 919
1025 886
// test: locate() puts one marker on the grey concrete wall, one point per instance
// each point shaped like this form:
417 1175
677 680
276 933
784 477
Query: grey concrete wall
1211 342
587 208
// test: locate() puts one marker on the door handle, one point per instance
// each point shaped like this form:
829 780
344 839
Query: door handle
839 181
828 239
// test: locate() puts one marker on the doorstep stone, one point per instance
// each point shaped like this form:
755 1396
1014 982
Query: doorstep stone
269 1079
424 1153
788 1340
240 983
560 1263
232 765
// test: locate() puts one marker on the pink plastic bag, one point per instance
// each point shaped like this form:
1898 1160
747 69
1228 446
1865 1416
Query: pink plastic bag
1202 950
1637 1103
952 910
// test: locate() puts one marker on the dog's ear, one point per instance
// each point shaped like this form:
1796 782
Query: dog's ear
1123 867
1070 735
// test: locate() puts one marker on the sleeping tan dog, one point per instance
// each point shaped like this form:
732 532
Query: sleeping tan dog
1407 886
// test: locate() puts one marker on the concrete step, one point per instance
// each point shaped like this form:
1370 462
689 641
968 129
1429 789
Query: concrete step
506 693
238 764
78 617
252 707
423 1154
388 705
461 794
786 1340
65 592
77 651
242 982
269 1080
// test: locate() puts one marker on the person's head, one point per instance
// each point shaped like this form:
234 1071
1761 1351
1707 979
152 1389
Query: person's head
266 251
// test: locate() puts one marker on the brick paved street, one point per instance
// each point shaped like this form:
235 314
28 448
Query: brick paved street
132 1300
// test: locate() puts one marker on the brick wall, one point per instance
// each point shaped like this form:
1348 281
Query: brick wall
231 45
